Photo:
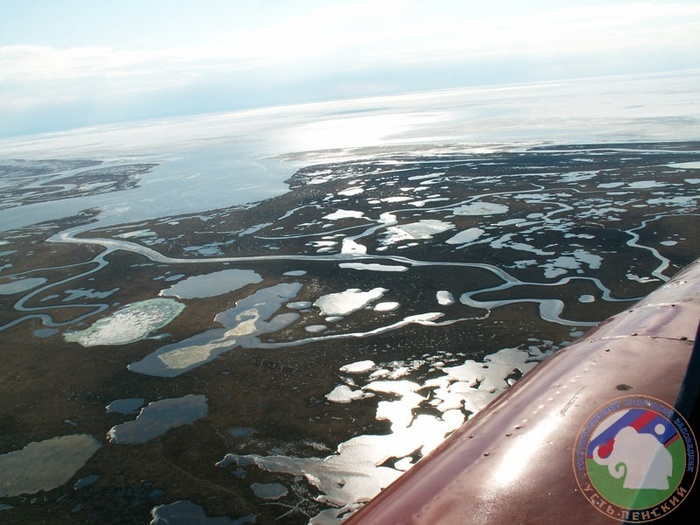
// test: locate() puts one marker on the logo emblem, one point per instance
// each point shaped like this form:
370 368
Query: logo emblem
635 459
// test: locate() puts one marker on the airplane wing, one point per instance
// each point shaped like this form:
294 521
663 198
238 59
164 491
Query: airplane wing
601 432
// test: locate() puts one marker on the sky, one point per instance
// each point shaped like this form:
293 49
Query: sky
78 63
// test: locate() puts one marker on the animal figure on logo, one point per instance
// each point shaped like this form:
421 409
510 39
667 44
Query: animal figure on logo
639 457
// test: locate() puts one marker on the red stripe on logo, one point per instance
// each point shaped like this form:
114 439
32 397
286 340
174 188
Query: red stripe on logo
639 423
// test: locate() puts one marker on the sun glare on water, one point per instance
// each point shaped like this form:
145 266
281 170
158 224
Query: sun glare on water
350 131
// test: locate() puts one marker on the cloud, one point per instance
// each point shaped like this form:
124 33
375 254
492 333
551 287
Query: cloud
356 35
538 34
341 49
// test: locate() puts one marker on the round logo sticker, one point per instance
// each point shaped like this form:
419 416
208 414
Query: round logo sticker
635 459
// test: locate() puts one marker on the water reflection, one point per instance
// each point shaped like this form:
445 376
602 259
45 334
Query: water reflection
252 316
212 284
367 288
44 465
129 324
158 417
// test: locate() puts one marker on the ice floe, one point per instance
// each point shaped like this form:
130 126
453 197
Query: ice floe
645 184
344 214
136 234
349 192
252 316
506 241
299 305
359 367
347 302
422 203
295 273
374 267
83 293
212 284
344 394
129 324
126 406
87 481
45 332
421 230
44 465
397 198
364 465
444 297
158 417
185 512
466 237
356 472
323 246
387 218
578 176
398 411
269 490
480 208
473 384
351 247
562 264
640 279
685 202
316 328
685 165
386 306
